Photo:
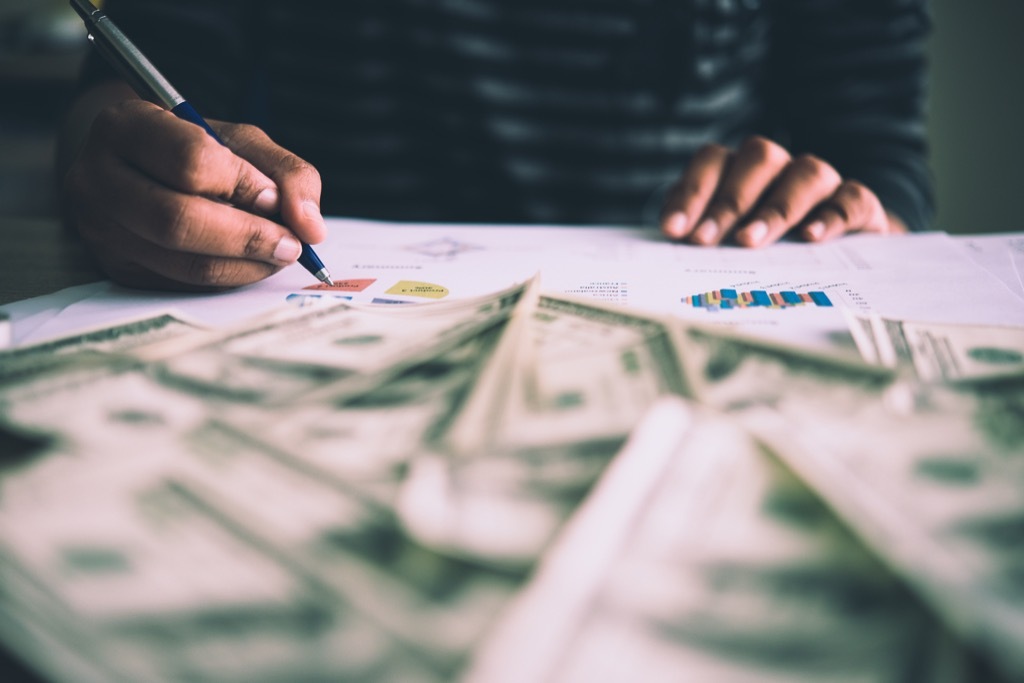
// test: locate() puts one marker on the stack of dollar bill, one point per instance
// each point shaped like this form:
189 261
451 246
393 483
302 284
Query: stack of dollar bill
518 487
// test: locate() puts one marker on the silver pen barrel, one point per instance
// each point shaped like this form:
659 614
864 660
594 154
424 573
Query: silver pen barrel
130 63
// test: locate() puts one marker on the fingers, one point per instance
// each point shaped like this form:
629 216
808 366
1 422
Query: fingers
688 198
759 193
852 208
146 234
139 263
181 156
163 204
188 223
757 164
297 180
805 183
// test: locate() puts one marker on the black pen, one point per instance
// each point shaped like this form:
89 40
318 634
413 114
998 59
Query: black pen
150 85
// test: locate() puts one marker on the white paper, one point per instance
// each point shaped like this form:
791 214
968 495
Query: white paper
997 254
1017 256
923 277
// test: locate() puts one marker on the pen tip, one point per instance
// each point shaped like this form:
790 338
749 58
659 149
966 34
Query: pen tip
323 276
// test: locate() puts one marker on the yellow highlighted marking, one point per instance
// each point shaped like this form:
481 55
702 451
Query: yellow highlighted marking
425 290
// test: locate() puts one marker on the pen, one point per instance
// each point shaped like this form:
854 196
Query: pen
150 84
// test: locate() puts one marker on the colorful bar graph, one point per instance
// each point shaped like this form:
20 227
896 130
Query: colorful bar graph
820 299
728 299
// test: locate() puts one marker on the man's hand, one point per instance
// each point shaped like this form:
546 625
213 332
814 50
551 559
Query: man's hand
163 205
758 193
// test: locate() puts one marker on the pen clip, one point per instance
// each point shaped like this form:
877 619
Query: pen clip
129 62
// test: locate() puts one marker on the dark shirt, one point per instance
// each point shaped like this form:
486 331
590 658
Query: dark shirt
560 111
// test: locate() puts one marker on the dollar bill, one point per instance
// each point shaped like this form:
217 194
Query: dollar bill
434 605
927 475
303 496
26 369
104 413
731 371
370 437
294 351
886 451
582 379
216 557
127 574
938 352
391 480
588 372
699 558
931 479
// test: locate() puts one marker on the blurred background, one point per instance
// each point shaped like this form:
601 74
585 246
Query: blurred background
975 121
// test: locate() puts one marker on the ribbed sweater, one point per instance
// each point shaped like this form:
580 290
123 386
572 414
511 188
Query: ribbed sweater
549 111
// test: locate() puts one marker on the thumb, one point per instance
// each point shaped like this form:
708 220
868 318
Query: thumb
297 191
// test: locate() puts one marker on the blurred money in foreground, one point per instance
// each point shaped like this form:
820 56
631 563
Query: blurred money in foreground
698 557
171 531
185 522
932 480
929 476
584 378
27 364
938 352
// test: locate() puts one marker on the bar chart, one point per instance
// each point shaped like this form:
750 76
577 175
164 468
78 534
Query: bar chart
725 299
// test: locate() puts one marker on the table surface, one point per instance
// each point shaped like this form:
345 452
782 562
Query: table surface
39 257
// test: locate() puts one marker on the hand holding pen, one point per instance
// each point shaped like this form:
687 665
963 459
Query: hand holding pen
166 201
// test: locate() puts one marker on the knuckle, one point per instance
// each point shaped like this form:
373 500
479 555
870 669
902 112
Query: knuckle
813 168
242 135
687 190
778 211
304 168
859 205
857 193
692 189
192 159
221 273
842 209
114 115
105 123
727 204
297 172
249 132
212 272
709 152
764 151
255 244
112 121
245 185
183 222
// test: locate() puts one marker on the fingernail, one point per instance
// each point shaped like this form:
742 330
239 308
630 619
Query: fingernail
707 231
754 233
312 212
266 201
676 225
287 250
815 231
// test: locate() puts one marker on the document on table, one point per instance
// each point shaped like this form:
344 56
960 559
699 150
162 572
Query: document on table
789 291
1002 255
